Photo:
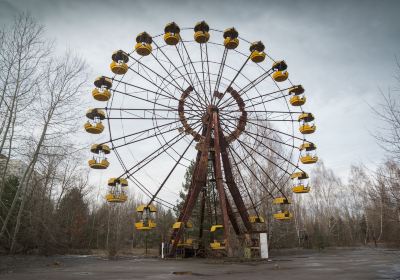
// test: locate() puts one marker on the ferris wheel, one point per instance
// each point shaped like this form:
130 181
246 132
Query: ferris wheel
216 101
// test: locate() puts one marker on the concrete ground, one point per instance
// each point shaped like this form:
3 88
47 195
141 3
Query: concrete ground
359 263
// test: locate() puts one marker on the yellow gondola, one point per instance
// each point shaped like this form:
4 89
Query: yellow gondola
178 225
256 219
145 225
201 34
171 36
301 189
310 156
298 98
96 128
94 124
143 44
119 62
117 192
231 40
186 240
280 74
102 90
282 200
298 182
301 175
283 215
257 52
217 242
146 212
99 162
116 198
307 126
144 207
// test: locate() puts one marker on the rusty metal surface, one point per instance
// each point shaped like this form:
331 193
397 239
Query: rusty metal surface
219 183
237 198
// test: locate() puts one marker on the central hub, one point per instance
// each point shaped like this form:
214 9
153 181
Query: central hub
208 111
212 108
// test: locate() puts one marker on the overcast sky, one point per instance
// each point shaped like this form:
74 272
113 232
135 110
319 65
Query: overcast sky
343 52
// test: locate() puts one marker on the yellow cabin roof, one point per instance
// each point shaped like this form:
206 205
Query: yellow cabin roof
103 81
257 46
256 219
177 225
307 117
282 200
120 55
231 33
279 65
201 26
114 181
172 27
299 175
93 113
296 90
141 208
308 146
96 148
216 227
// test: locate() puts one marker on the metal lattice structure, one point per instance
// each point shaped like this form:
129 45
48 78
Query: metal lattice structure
214 97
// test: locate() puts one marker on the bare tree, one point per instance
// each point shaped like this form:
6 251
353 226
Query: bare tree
388 111
58 96
22 50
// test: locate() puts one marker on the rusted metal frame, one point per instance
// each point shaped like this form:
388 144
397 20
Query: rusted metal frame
231 215
177 69
202 212
262 169
198 181
214 197
251 171
219 182
196 165
245 186
230 181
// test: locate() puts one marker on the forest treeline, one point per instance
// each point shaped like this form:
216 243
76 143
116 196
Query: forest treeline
47 205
